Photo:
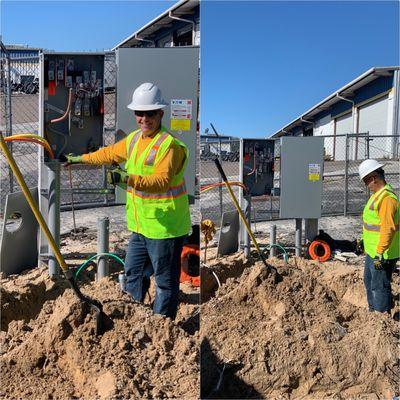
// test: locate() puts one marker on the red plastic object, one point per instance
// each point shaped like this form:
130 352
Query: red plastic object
52 88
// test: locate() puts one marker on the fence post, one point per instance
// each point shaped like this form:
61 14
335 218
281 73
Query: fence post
8 110
346 176
220 181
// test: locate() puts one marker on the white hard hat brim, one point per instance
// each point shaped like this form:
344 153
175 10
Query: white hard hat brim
370 170
149 107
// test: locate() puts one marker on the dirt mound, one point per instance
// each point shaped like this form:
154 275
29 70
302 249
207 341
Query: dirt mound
309 336
50 350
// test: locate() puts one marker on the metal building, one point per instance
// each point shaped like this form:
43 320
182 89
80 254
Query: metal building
23 70
368 105
176 27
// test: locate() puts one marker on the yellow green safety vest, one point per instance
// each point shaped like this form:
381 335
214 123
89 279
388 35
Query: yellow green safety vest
156 215
372 225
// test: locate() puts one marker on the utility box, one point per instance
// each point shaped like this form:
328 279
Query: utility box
257 165
301 172
176 72
71 119
72 102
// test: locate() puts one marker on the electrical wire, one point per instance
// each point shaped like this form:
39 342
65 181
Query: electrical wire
206 188
85 264
254 163
216 278
63 137
67 111
31 139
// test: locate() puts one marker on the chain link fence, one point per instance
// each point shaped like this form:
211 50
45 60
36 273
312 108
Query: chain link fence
343 192
19 114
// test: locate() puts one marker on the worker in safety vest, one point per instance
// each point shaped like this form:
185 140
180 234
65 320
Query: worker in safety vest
157 206
380 236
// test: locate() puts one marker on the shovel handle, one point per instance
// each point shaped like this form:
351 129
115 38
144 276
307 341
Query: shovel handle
241 215
220 170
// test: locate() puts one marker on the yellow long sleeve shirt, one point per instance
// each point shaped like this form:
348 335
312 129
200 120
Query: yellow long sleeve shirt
386 211
165 169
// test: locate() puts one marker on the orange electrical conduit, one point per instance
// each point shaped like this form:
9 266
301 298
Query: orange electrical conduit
206 188
67 111
30 138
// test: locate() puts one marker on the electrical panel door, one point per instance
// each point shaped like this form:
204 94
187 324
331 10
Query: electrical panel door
72 102
257 165
302 162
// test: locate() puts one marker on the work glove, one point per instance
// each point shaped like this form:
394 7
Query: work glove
117 177
359 247
70 159
379 262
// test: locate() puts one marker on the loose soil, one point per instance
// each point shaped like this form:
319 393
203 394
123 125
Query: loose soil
49 349
310 336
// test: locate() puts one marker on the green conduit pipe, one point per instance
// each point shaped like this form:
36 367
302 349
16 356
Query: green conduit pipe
285 254
83 266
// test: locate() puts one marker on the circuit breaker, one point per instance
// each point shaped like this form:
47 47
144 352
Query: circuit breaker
72 102
257 165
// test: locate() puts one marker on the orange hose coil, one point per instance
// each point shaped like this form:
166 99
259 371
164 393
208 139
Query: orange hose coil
189 249
314 250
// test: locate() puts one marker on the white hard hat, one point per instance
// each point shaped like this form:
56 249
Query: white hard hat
147 97
368 166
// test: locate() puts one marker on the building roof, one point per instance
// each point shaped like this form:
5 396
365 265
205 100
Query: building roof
346 91
183 8
20 47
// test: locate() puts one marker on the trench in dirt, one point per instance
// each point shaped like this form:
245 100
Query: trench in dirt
308 336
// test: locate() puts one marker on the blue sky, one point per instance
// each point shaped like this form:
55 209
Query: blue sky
75 25
265 63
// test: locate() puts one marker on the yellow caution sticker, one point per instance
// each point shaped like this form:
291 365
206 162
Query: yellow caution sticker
314 172
180 124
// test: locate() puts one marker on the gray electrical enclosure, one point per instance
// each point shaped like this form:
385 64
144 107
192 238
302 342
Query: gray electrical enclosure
301 170
71 119
72 102
176 72
257 165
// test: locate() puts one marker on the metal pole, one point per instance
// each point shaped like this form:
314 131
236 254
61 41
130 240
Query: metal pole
103 229
346 177
247 246
220 181
54 213
310 229
298 237
272 241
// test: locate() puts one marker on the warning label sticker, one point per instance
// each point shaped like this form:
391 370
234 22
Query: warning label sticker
181 114
314 172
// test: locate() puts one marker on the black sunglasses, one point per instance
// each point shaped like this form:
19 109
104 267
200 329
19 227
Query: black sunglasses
149 114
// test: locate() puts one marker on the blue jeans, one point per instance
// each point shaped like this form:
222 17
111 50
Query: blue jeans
377 284
161 257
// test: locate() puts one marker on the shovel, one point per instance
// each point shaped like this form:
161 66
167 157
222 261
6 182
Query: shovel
94 305
243 218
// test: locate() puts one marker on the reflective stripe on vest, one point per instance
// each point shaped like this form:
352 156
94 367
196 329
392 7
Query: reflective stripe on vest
132 143
380 197
153 151
173 192
377 228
